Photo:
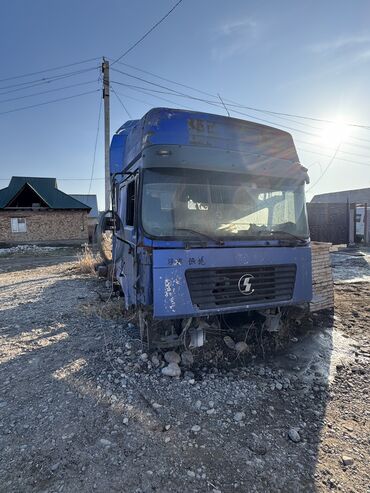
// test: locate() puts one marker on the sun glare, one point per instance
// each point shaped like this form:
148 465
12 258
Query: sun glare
334 134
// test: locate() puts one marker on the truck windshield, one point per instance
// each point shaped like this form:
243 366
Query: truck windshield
186 203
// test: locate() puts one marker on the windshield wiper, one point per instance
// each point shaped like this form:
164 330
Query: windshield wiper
281 231
209 237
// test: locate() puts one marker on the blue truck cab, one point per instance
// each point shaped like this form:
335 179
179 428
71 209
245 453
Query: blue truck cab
210 219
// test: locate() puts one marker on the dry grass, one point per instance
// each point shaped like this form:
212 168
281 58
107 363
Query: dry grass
111 309
106 244
88 261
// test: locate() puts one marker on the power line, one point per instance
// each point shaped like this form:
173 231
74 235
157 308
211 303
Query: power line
239 105
326 169
46 92
95 146
167 80
321 120
64 179
49 69
122 103
147 33
338 158
49 102
156 97
301 149
44 80
214 103
356 154
150 91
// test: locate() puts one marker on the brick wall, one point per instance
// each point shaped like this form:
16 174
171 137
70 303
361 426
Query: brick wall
45 226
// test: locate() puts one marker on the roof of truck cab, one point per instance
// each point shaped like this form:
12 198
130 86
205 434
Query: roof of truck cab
167 126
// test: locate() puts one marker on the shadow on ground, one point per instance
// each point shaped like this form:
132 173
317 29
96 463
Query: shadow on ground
81 410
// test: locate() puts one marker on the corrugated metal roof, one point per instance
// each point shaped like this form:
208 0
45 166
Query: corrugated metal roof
46 188
89 200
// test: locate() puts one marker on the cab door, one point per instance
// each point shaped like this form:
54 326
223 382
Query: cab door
126 234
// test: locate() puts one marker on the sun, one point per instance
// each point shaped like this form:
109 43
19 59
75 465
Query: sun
335 133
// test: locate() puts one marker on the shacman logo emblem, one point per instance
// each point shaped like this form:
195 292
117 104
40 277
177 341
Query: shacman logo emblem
244 284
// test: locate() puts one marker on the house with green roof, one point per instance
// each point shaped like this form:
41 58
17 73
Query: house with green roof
34 211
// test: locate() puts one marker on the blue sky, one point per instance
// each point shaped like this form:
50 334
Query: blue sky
305 58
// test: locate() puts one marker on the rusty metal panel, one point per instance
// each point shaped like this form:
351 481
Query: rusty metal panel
329 223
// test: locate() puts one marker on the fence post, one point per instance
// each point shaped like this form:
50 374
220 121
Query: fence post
366 226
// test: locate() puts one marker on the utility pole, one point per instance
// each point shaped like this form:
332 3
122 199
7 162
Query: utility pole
105 71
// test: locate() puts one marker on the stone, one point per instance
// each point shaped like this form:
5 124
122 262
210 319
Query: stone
191 474
105 443
189 375
144 357
239 416
155 360
294 435
278 386
187 358
172 357
229 342
347 460
196 428
241 347
172 370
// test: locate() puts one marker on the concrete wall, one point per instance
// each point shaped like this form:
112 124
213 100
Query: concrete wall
45 226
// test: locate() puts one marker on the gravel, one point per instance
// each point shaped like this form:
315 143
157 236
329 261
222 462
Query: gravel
84 407
294 435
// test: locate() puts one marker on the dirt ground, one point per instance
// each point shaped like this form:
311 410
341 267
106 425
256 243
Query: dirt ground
84 408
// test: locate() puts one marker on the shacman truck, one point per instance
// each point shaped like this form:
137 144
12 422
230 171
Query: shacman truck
209 219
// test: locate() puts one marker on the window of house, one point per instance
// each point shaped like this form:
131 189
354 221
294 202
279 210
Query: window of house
18 225
130 205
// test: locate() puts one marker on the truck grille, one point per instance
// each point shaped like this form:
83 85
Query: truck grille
225 287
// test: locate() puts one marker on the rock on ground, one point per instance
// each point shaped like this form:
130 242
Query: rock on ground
82 410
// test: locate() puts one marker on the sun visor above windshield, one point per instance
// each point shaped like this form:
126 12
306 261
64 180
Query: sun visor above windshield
204 158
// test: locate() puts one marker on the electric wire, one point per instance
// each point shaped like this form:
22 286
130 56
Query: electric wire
95 145
337 157
46 92
49 102
121 102
147 33
29 74
326 169
151 104
216 103
45 80
241 106
64 179
302 149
